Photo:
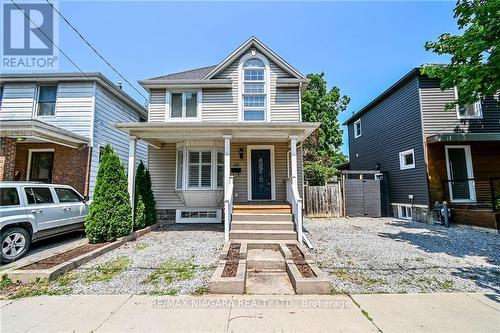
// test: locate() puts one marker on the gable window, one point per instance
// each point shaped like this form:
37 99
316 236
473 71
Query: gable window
184 105
357 128
254 90
199 169
407 159
47 96
472 111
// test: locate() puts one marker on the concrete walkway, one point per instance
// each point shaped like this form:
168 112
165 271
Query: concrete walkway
457 312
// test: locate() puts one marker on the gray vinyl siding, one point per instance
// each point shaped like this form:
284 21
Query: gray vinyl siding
17 101
285 104
390 127
109 110
157 100
437 119
220 104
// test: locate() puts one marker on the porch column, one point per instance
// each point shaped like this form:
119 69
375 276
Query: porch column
293 153
227 196
131 169
227 159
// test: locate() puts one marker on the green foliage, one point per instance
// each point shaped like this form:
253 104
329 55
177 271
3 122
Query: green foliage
108 270
317 174
110 213
143 189
171 270
5 282
140 214
475 58
200 291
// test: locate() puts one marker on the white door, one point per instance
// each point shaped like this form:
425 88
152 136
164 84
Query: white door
460 174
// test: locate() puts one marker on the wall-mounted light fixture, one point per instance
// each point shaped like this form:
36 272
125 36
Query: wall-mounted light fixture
241 153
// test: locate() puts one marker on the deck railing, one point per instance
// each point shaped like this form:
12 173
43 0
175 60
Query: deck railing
293 198
228 208
473 192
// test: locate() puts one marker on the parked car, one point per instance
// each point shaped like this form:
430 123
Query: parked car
31 211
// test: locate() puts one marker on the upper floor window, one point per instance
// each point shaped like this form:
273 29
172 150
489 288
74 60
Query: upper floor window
184 105
47 96
407 159
357 128
254 90
472 111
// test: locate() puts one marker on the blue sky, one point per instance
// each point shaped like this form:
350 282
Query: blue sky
362 47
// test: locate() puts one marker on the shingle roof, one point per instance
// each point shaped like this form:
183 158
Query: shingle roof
193 74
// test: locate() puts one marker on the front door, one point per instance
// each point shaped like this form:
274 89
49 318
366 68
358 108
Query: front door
460 173
41 166
261 174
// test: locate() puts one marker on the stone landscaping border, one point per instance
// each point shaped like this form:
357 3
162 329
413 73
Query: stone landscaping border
305 286
31 275
228 285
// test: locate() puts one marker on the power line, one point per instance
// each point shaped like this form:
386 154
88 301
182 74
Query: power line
95 51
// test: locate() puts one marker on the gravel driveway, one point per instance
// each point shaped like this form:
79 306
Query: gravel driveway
177 259
386 255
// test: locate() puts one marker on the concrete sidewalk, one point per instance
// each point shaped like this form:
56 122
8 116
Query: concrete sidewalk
456 312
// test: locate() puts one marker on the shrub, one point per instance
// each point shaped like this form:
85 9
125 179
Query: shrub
139 216
317 174
110 213
143 189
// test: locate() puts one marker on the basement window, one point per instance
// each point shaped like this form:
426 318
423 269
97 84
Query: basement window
196 215
407 159
404 212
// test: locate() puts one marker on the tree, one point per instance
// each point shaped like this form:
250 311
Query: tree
475 59
322 149
110 213
139 215
143 189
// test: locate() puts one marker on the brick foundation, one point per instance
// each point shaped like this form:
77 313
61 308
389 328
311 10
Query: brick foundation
165 216
71 166
7 158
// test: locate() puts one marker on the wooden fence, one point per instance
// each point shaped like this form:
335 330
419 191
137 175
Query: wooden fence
323 201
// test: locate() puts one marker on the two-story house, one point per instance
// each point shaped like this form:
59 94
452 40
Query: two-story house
226 133
431 153
52 126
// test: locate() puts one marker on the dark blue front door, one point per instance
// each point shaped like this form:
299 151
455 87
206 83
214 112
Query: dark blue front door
261 175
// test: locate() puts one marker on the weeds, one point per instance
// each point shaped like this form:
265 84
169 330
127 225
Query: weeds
5 282
166 292
107 271
170 271
141 246
200 291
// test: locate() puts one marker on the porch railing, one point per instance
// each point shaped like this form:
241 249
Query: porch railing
477 192
228 208
293 198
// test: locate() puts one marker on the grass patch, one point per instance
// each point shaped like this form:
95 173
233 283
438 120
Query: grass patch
67 278
200 291
6 267
165 292
170 271
38 288
358 279
5 282
141 246
107 271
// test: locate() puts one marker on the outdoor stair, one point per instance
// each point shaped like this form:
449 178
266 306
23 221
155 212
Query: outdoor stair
270 222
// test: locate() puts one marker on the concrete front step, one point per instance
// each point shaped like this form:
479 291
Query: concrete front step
265 259
261 217
261 225
262 235
262 208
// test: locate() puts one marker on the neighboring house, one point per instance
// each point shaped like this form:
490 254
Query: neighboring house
226 132
52 126
430 153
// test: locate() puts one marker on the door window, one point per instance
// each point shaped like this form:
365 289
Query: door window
41 166
67 195
39 195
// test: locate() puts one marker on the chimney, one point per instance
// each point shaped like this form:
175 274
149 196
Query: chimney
119 84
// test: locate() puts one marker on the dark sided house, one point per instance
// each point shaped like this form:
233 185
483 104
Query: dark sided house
430 153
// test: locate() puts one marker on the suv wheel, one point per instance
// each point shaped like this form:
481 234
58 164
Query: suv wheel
14 244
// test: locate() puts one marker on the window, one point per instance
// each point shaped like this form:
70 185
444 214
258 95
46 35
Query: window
220 169
404 212
47 96
40 166
199 169
180 169
9 196
459 168
199 215
254 90
38 195
184 105
67 195
357 128
473 111
407 159
1 95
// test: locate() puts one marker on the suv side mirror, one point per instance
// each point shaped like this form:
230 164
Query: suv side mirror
85 198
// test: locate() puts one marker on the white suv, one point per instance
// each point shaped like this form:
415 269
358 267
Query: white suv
32 211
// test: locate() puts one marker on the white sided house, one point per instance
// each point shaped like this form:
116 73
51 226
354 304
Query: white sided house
53 126
226 140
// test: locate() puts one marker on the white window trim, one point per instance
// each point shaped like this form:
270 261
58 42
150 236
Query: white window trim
267 84
356 134
470 174
30 152
406 207
476 104
200 188
402 165
179 219
168 105
183 168
37 97
213 170
249 167
216 164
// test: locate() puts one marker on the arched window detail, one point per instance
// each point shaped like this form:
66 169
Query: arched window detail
254 90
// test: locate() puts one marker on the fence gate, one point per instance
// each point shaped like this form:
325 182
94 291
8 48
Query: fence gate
323 201
364 193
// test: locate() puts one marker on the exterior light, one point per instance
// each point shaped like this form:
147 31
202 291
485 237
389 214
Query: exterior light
241 153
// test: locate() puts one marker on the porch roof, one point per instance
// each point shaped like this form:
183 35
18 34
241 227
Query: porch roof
42 131
463 137
156 134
